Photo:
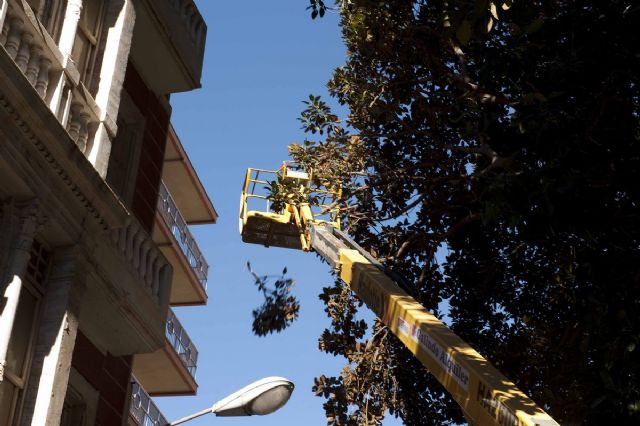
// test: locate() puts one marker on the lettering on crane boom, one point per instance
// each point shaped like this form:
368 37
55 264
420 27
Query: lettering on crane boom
382 302
375 299
437 352
495 407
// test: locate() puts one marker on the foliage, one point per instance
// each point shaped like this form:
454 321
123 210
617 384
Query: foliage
505 134
318 8
335 163
285 191
279 309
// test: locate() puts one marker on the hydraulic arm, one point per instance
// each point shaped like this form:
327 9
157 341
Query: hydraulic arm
485 395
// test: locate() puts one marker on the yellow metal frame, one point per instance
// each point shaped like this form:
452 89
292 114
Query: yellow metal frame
485 395
277 228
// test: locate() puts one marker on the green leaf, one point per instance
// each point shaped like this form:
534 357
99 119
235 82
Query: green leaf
494 11
489 24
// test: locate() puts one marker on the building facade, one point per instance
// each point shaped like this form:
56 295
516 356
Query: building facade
96 197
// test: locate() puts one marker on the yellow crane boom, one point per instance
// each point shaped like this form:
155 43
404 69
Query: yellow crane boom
485 395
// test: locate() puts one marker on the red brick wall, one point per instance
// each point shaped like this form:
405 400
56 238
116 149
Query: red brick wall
153 146
109 375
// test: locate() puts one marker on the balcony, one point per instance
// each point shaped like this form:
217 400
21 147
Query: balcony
183 183
142 410
169 35
170 370
48 125
56 80
172 235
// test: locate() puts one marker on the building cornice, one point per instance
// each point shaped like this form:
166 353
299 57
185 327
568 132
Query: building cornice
54 145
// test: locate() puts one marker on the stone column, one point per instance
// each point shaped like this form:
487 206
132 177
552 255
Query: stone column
120 18
100 148
70 26
18 222
14 34
4 5
58 327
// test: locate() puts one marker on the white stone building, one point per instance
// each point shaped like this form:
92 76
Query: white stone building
96 195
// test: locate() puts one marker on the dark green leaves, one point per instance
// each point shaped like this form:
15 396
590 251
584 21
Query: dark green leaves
279 309
317 117
515 126
317 7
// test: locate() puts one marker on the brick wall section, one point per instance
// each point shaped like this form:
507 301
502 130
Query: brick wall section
109 375
153 146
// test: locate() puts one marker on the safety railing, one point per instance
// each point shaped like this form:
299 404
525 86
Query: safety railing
178 227
182 344
142 409
257 193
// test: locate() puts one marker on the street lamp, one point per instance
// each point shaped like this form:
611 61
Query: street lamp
259 398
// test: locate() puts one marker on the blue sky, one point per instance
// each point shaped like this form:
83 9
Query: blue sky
262 59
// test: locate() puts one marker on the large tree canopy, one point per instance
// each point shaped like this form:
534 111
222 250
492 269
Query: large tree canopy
505 135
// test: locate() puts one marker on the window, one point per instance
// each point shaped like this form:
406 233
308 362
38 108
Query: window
52 16
85 46
74 409
23 335
125 150
80 402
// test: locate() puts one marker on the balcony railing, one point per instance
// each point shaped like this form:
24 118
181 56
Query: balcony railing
181 342
146 261
143 410
55 79
178 227
192 21
180 24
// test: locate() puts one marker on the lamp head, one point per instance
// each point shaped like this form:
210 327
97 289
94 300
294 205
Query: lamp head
259 398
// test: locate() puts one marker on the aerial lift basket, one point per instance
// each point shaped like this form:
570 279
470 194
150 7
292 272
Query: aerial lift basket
260 224
306 217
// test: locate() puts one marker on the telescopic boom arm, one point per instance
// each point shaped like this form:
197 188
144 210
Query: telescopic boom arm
484 394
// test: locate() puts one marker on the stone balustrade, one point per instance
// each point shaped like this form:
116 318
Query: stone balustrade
29 52
146 260
180 23
83 117
52 75
192 20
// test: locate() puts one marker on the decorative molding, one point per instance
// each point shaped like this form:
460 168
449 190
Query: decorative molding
20 221
53 163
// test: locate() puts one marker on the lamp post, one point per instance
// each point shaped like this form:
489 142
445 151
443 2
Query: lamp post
259 398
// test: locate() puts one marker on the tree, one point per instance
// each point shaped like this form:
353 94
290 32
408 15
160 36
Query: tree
507 136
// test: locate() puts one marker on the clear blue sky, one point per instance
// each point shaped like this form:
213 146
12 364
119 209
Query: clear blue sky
262 59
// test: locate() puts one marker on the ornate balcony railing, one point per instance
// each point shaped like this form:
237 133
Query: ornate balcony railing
142 408
146 260
54 78
193 23
181 342
179 229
